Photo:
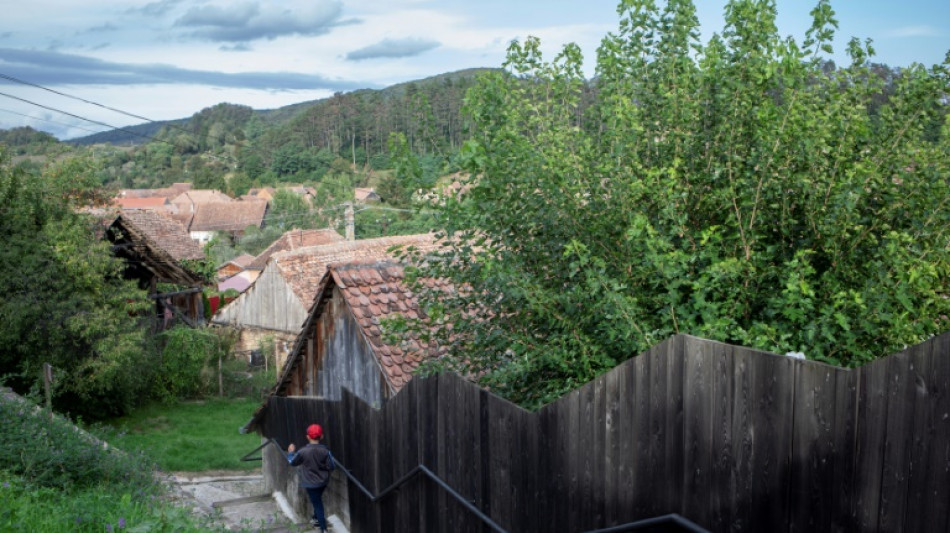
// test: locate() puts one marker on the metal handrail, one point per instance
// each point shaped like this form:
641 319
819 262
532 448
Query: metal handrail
670 519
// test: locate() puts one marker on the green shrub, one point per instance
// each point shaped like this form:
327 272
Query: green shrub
186 366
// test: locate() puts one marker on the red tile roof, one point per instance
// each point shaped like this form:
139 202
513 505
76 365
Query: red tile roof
228 216
303 269
294 240
374 291
166 233
155 202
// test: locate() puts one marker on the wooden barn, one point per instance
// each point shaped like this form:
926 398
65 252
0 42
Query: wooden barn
342 342
343 345
153 248
279 300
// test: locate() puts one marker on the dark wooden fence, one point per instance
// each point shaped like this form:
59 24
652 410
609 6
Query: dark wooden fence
730 438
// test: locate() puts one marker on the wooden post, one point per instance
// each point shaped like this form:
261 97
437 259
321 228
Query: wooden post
47 380
220 378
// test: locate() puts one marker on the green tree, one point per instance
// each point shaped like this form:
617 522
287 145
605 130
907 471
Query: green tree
64 300
736 190
288 210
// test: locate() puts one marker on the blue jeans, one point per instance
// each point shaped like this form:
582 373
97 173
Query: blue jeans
316 499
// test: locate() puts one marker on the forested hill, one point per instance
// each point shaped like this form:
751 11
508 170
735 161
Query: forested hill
440 91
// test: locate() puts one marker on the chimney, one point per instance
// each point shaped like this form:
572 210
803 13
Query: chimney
350 222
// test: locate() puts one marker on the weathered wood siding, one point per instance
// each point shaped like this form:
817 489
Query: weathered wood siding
345 358
268 304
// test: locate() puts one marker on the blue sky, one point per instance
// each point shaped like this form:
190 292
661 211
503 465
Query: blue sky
167 59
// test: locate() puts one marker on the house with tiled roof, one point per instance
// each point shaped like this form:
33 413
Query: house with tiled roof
279 300
153 248
365 195
231 217
295 239
342 342
157 203
234 266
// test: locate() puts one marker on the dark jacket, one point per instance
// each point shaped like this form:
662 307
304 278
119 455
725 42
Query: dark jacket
316 464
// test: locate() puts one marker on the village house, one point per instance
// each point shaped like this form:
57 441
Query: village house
342 342
294 239
153 248
229 217
234 266
279 300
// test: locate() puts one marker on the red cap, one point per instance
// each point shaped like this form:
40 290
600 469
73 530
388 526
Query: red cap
315 432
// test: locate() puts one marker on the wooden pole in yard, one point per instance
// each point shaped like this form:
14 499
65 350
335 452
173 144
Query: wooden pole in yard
220 379
47 379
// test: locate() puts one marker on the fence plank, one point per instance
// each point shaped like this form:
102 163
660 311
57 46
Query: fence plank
774 379
812 472
844 515
722 470
919 437
613 510
869 448
698 412
897 438
658 379
743 405
938 482
676 422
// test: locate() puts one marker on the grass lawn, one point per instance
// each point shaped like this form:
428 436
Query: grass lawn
190 436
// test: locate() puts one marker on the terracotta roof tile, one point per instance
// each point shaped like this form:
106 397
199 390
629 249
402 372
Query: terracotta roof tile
304 268
228 216
296 239
389 296
164 232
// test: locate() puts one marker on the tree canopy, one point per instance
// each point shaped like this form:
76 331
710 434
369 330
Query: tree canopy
738 190
64 300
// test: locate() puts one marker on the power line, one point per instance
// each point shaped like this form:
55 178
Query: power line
54 91
170 124
50 121
111 127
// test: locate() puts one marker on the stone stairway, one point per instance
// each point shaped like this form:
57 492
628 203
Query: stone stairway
239 503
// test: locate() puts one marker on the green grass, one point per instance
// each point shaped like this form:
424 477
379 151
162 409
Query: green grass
190 436
25 506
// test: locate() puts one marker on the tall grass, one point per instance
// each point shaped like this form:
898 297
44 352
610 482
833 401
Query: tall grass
55 477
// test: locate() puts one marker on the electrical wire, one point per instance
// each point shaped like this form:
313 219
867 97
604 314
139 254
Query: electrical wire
111 127
50 121
54 91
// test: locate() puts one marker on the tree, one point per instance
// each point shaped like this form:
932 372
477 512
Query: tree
734 190
64 300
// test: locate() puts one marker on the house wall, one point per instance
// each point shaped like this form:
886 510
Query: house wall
268 304
338 356
249 339
202 236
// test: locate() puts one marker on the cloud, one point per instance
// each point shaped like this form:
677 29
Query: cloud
393 48
249 21
53 68
914 31
102 28
239 47
155 9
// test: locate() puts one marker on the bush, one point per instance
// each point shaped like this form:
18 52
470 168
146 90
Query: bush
186 370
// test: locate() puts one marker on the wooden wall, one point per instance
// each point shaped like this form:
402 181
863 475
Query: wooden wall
269 304
730 438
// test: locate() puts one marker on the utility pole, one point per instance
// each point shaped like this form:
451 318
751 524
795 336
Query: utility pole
350 222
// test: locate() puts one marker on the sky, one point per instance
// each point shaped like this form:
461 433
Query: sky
74 68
